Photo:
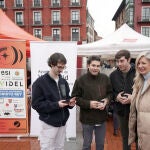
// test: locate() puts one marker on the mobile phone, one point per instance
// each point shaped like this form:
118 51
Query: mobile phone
66 102
124 95
102 101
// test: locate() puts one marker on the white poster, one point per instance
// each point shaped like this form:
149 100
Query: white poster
40 52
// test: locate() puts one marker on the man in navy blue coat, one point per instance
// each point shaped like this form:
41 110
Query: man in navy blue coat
50 98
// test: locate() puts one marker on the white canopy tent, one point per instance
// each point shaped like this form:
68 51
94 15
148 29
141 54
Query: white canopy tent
123 38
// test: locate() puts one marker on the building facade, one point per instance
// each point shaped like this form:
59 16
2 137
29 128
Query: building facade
119 16
136 13
52 20
142 17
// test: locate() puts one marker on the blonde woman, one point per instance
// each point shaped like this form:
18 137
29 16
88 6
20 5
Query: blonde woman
139 119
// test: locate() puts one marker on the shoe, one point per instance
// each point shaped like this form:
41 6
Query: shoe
115 132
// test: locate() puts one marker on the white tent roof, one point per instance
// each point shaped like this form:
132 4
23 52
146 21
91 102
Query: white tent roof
123 38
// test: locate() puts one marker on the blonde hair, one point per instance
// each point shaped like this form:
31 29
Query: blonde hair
138 80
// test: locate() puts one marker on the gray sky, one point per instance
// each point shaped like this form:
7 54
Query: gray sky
102 12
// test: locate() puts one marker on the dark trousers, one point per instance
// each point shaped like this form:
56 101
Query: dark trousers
115 118
99 132
124 131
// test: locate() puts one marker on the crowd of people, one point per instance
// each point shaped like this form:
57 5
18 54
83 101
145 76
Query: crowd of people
128 86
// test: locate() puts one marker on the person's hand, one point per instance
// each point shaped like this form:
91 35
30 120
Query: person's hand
62 103
128 99
28 91
72 101
102 104
94 104
123 98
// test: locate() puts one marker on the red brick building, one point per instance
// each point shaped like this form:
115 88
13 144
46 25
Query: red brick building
136 13
58 20
142 17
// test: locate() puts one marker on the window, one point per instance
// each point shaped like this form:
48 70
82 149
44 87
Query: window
37 18
129 16
75 17
56 17
1 3
56 34
37 32
129 1
75 34
19 18
36 3
19 3
146 14
55 3
75 2
146 31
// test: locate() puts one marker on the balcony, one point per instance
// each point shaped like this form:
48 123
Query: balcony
143 19
145 1
37 23
38 36
75 22
75 38
20 23
146 20
47 38
2 6
36 5
56 23
77 4
18 6
55 6
56 37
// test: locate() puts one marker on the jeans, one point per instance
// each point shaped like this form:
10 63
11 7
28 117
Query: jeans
123 120
99 132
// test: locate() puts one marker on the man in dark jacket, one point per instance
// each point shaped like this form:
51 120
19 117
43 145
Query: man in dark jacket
122 82
50 98
93 91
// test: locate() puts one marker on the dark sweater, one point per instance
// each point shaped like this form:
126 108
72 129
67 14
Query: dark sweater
119 84
87 88
45 97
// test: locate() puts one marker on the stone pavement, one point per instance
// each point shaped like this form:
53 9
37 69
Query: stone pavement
75 144
29 143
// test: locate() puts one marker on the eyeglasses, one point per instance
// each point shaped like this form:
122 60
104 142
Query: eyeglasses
61 67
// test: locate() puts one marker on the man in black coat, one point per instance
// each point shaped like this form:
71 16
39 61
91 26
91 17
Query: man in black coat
122 82
93 91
